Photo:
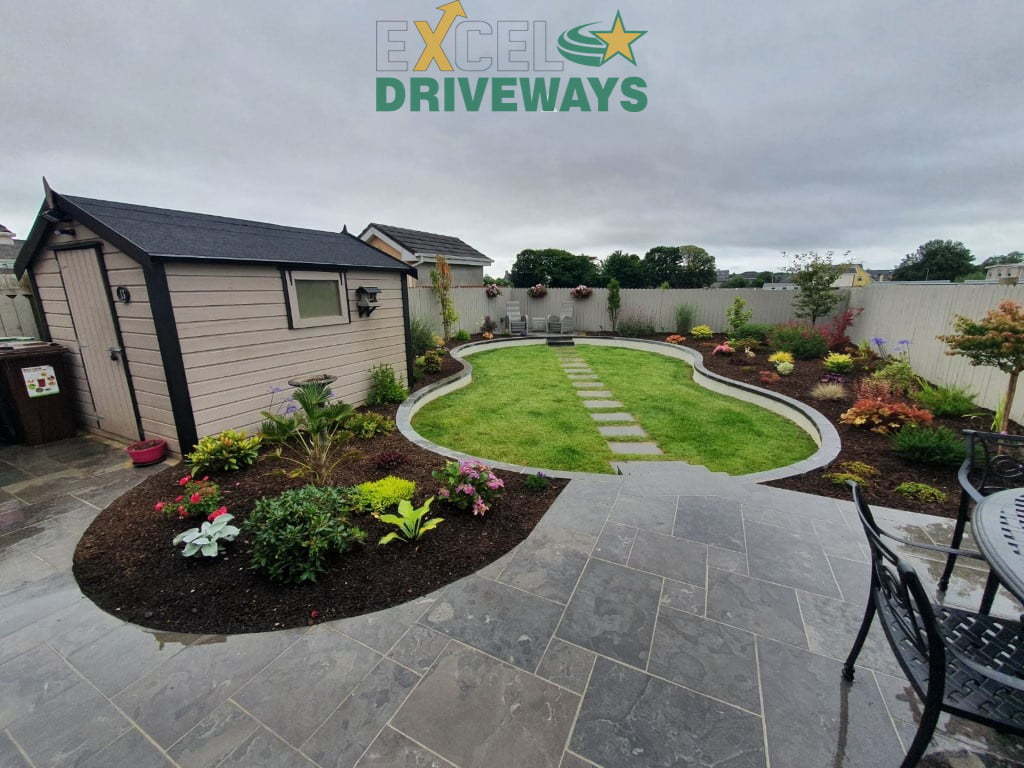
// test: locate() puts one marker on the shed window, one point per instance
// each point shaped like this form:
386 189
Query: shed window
316 298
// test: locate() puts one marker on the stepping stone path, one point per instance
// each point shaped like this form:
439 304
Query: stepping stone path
598 399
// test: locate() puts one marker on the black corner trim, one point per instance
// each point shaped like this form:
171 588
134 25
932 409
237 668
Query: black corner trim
407 322
170 353
120 340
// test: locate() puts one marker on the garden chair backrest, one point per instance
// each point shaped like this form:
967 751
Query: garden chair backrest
512 310
994 462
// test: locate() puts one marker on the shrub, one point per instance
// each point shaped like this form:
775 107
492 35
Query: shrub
294 535
768 377
462 335
921 492
430 361
537 483
421 335
389 459
197 498
805 342
929 445
836 328
899 373
738 315
883 416
369 424
227 451
684 318
469 485
758 331
376 496
206 539
614 303
723 349
385 388
877 389
826 390
743 343
488 325
784 368
675 338
945 401
636 324
781 357
853 471
318 433
410 523
441 283
581 292
702 332
838 363
312 412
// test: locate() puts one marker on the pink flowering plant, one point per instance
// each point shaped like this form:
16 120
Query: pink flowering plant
197 497
722 349
469 485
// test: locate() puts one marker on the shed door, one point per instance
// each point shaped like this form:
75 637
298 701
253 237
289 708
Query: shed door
97 339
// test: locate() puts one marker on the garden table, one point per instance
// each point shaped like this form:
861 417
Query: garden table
999 531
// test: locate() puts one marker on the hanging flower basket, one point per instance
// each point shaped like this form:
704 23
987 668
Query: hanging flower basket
538 291
492 291
581 292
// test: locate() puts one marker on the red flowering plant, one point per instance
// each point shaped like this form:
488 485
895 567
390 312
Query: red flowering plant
198 498
768 377
884 416
675 338
469 485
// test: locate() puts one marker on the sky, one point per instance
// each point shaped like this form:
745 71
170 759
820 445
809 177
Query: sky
857 125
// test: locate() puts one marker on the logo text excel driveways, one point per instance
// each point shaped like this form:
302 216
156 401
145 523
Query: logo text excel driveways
508 66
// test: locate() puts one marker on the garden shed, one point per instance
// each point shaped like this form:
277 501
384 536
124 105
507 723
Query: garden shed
180 325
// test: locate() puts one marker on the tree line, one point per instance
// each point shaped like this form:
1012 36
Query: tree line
664 266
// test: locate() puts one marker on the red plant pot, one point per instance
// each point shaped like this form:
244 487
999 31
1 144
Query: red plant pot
146 452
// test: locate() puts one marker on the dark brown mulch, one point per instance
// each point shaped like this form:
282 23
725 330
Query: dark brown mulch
126 564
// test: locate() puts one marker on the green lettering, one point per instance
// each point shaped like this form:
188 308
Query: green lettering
474 99
632 89
575 96
390 86
449 94
539 90
423 89
603 89
503 89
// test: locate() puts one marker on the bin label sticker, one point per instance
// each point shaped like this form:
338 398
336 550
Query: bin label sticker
40 380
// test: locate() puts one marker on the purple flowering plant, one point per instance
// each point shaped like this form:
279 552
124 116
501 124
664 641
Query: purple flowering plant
471 486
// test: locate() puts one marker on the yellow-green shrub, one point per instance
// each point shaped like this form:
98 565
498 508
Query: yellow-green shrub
377 496
836 362
781 357
702 332
224 452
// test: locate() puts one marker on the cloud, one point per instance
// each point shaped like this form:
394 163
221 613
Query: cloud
867 126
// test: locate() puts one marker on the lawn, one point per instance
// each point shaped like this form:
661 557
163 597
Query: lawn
521 408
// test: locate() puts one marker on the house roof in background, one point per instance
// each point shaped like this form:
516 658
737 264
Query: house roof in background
419 242
169 234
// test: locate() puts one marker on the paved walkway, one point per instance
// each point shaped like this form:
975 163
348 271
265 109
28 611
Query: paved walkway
660 618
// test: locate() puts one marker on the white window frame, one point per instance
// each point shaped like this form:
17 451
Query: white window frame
294 319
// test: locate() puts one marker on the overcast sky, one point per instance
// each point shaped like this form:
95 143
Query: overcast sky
864 125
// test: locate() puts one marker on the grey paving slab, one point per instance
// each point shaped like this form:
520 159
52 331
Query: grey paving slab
683 597
602 404
633 430
711 519
587 384
265 750
653 513
503 621
669 556
215 737
419 648
549 562
567 665
325 665
613 612
392 749
727 560
569 760
832 627
706 656
29 681
638 448
853 577
594 394
789 557
494 715
10 755
628 719
766 609
353 726
132 749
382 629
582 376
830 722
615 543
615 416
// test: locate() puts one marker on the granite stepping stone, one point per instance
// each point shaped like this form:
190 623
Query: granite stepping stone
624 430
587 384
617 416
583 376
602 403
650 449
598 393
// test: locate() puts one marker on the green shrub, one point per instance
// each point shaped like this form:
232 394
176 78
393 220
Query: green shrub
385 388
738 315
224 452
421 335
945 401
900 375
293 536
702 332
635 325
462 335
836 362
369 424
803 341
377 496
921 492
757 331
856 471
684 319
929 445
537 483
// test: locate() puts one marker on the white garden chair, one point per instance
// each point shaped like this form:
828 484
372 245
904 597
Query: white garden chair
515 318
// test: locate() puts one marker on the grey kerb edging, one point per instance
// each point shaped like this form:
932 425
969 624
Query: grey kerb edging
811 421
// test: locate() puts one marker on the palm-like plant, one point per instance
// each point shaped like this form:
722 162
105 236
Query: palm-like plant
317 430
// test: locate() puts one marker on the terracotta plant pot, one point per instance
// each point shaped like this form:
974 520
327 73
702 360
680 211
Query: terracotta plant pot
146 452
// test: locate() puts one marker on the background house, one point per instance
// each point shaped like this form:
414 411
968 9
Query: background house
418 248
180 325
852 276
1007 272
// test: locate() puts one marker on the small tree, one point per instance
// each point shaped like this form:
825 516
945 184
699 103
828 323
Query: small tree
738 315
814 274
614 302
997 340
441 279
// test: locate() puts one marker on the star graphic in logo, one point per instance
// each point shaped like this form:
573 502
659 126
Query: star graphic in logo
619 40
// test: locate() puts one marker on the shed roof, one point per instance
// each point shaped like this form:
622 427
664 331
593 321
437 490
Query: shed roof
417 241
169 234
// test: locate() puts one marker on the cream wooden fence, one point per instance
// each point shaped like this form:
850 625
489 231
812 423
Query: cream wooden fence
16 315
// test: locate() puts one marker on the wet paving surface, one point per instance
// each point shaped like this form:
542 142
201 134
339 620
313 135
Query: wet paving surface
660 618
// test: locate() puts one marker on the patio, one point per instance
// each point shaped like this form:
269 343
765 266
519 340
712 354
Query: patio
669 616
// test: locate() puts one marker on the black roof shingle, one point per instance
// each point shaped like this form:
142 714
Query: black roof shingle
416 241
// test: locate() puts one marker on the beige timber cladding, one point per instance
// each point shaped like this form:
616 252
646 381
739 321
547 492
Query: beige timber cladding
137 330
236 345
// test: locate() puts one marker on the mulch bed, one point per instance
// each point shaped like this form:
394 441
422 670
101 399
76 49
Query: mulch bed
125 562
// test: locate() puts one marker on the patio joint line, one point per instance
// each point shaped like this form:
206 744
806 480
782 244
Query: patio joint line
21 749
273 732
760 698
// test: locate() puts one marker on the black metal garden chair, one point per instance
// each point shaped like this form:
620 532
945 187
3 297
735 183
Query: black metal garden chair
966 664
994 462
